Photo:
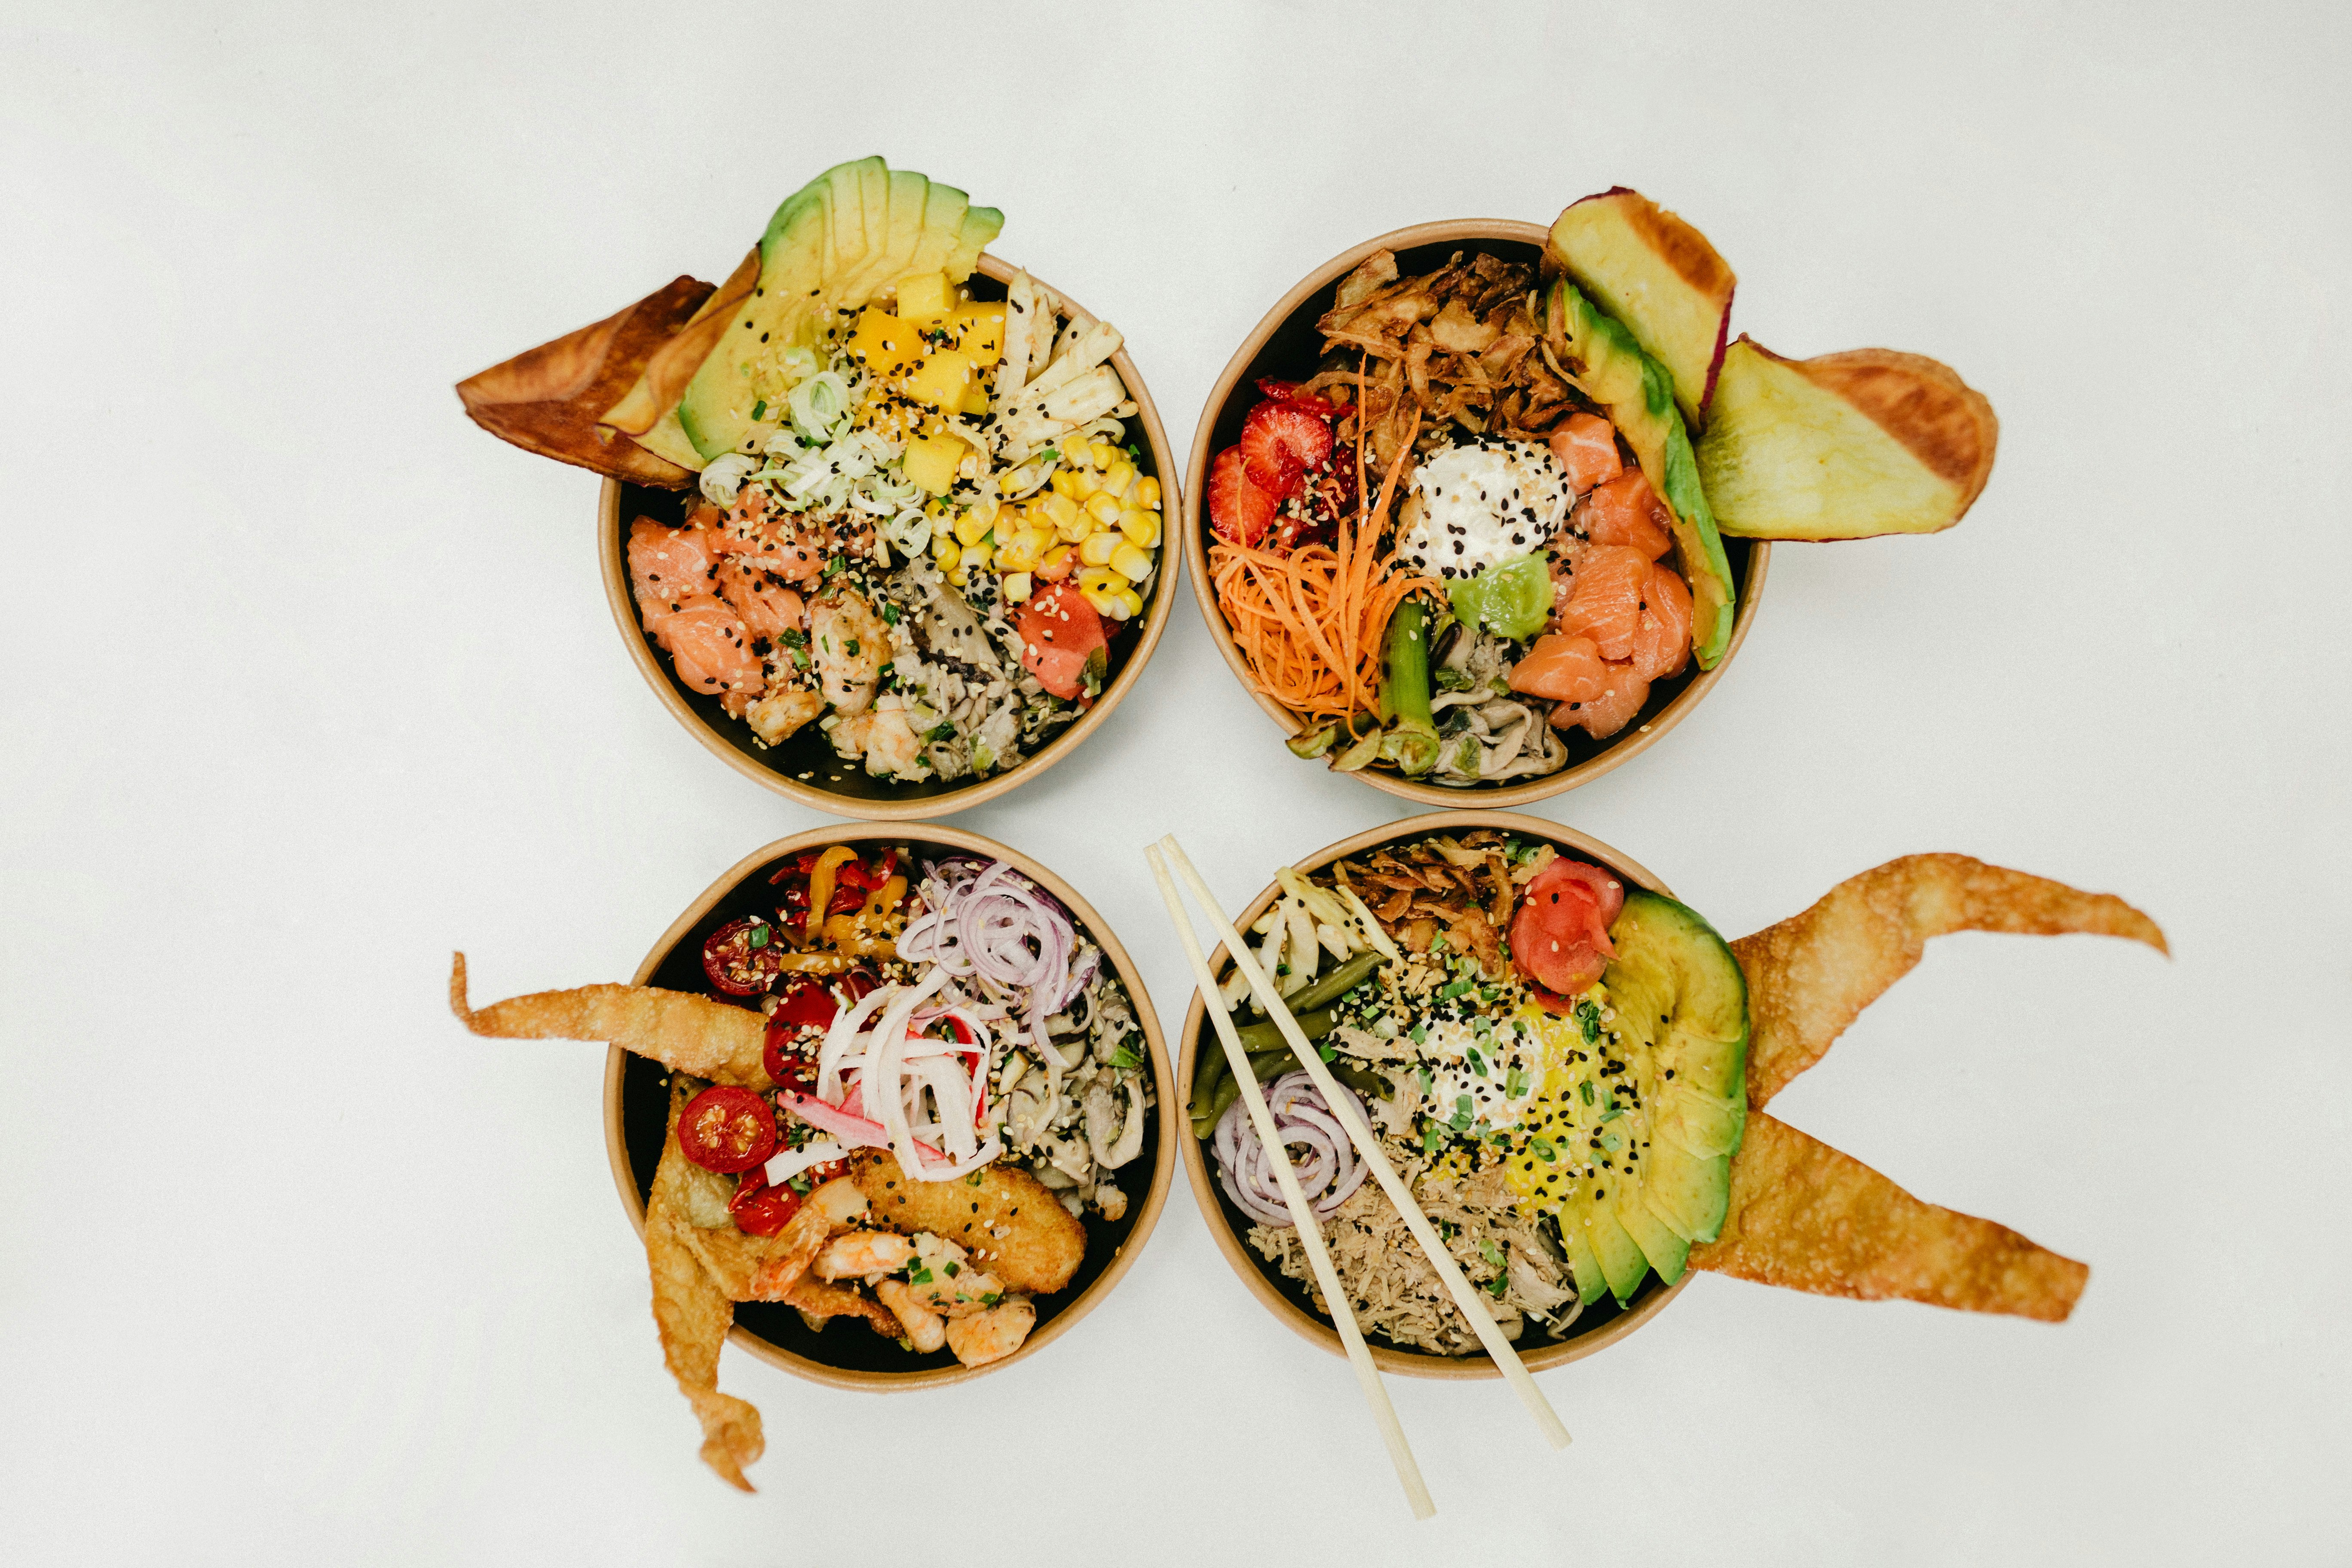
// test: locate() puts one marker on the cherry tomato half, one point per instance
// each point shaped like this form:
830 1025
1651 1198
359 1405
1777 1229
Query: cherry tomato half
743 957
760 1209
726 1130
790 1047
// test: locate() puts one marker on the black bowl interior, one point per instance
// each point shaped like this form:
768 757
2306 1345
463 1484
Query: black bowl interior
1294 352
645 1118
809 752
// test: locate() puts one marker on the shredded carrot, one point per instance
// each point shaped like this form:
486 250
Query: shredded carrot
1311 624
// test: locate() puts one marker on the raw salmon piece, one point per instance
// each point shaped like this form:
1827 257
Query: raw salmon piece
709 647
777 545
1620 698
768 608
1564 668
1626 511
1662 645
667 566
1587 447
1605 598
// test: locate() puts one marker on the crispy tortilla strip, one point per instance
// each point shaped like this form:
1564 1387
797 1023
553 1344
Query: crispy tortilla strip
549 399
1810 976
1807 1217
1009 1221
816 1298
691 1033
666 372
693 1315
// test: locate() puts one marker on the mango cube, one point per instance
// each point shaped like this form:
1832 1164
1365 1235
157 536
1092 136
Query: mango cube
931 462
925 298
883 343
978 326
943 380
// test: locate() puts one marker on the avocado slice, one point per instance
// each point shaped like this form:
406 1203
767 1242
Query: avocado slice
1621 1262
1667 1252
1639 394
944 210
909 196
1582 1261
848 219
979 226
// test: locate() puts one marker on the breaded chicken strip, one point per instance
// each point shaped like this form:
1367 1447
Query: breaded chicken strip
1009 1221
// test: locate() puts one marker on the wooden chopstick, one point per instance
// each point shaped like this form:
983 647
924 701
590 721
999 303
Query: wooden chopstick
1302 1213
1466 1296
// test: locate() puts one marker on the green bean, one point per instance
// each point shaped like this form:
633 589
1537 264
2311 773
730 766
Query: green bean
1327 989
1205 1122
1208 1071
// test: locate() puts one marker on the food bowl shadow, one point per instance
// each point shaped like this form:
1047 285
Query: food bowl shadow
1597 1327
849 1354
843 788
1284 345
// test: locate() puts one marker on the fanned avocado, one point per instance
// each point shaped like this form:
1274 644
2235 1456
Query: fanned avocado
1639 394
1630 1142
848 235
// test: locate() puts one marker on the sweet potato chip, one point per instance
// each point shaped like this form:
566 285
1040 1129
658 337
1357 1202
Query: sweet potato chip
689 1033
1808 1217
1810 976
693 1315
551 399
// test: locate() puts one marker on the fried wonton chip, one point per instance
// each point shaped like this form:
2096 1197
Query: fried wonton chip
768 1267
551 399
689 1033
669 370
1810 976
1808 1217
693 1314
1008 1220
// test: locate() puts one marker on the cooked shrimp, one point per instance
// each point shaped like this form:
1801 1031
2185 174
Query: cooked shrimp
893 750
859 1253
779 714
926 1330
851 645
991 1335
840 1200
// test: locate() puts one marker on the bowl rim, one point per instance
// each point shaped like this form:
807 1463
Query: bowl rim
1156 618
1152 1201
1623 747
1237 1256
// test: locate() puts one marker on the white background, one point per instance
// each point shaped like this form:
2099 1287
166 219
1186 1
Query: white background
307 681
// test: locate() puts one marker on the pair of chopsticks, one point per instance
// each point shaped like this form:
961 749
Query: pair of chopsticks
1311 1229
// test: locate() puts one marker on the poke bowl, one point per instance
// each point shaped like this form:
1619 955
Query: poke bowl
805 766
1524 1264
1518 756
1118 1206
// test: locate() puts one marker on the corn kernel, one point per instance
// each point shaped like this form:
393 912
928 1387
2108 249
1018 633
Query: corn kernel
1064 482
1099 580
1078 455
1068 521
947 552
1057 563
974 526
1121 475
1021 551
1131 563
1096 549
981 557
1147 493
1084 485
1016 586
1130 604
1104 510
1141 528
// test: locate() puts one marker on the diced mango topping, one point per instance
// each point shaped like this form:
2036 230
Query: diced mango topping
977 327
931 461
883 343
942 382
925 298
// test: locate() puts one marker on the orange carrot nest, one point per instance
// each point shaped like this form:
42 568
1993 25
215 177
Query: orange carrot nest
1310 625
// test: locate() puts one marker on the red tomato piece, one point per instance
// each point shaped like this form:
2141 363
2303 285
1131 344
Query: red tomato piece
726 1130
743 957
1062 641
760 1209
1559 937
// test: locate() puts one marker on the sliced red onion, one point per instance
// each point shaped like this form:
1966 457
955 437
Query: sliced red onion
1327 1175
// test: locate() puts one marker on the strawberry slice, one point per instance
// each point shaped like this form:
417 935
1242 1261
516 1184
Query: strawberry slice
1287 392
1276 431
1238 510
